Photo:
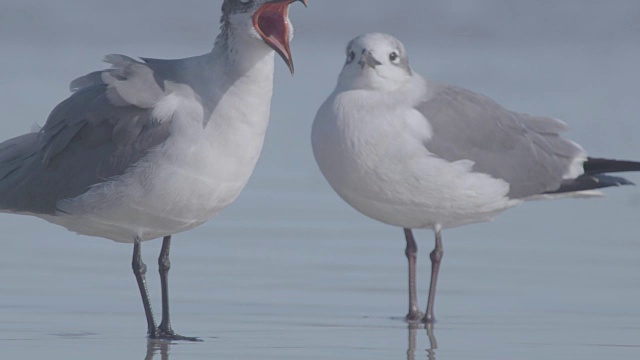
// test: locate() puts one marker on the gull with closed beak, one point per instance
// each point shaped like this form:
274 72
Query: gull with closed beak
151 148
414 153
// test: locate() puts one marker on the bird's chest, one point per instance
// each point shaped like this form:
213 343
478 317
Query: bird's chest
369 150
205 164
205 171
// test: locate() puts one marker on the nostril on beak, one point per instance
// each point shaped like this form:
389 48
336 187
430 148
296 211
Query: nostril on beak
368 59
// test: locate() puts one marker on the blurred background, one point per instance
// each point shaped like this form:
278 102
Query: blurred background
290 270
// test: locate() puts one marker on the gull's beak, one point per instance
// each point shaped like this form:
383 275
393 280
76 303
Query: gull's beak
368 59
271 21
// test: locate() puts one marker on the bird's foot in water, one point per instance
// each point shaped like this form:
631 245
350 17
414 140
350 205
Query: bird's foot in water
160 334
414 317
428 319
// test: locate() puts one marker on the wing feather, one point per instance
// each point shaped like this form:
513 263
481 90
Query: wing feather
526 151
102 129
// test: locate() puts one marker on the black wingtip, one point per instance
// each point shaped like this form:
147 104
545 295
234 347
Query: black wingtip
591 182
600 166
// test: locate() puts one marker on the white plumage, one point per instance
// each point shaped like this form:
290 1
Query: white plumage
410 152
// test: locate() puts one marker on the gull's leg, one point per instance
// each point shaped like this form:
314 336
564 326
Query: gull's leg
436 258
140 270
411 252
164 264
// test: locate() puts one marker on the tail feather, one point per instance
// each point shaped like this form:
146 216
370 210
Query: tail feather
14 151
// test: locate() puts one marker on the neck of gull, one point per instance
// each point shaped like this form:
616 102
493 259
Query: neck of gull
237 81
244 54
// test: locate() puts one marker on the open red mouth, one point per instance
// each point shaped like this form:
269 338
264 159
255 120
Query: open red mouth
271 22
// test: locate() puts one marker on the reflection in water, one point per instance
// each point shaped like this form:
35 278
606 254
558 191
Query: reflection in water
157 346
433 344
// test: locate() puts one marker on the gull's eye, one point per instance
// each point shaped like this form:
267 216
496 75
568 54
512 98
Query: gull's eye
351 57
394 57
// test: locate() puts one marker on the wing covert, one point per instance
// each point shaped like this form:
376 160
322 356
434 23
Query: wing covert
526 151
104 127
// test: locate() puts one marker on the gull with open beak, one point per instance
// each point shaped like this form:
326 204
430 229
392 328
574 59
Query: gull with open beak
151 148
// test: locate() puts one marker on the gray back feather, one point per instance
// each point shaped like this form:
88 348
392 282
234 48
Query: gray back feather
95 135
524 150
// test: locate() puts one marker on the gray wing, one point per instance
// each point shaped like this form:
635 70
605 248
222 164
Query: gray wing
526 151
102 129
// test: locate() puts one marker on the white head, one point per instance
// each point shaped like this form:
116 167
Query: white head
263 20
375 61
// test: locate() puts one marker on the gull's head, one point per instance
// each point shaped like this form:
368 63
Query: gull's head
375 61
264 20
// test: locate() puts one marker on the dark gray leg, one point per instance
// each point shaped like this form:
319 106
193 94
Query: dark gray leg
436 258
140 270
411 252
164 264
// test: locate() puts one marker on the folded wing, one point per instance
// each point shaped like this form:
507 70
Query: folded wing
103 128
525 151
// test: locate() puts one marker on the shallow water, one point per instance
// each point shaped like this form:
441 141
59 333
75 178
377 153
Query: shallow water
289 270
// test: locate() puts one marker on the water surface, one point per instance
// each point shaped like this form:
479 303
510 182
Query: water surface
290 271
